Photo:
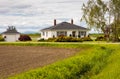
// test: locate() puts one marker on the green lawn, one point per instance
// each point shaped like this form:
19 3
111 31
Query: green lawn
95 61
35 36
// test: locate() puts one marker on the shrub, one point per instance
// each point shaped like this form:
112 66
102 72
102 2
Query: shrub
25 38
1 38
51 39
87 39
67 39
41 39
61 39
76 40
100 38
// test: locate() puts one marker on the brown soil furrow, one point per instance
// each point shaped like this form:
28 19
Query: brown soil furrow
17 59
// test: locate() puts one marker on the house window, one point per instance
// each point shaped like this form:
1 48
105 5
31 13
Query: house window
61 33
83 33
5 37
79 34
73 33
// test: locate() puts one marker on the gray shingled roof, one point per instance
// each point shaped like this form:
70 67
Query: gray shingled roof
10 30
65 26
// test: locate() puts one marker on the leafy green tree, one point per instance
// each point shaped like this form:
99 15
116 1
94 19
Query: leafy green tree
96 12
114 9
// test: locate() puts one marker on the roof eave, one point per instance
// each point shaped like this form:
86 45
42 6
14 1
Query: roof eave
10 33
64 29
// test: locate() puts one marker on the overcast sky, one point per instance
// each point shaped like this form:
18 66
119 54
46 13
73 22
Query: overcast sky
33 15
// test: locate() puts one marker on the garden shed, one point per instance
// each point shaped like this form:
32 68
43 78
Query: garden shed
11 34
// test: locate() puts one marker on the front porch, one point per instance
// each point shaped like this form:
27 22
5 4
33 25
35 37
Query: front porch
77 34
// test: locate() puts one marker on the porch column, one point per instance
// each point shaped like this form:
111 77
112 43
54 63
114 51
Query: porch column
77 33
69 33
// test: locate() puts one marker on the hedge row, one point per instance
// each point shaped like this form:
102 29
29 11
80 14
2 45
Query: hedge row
67 39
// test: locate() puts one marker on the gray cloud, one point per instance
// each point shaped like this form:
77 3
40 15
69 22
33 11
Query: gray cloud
37 14
4 11
21 6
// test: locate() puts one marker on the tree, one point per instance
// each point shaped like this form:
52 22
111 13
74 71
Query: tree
95 12
114 9
94 15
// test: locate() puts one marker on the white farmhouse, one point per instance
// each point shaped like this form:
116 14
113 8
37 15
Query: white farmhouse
11 34
65 29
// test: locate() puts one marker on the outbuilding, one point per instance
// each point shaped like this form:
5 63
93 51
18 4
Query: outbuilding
11 34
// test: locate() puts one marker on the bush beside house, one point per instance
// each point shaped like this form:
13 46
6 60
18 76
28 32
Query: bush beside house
1 38
66 39
86 39
62 39
25 38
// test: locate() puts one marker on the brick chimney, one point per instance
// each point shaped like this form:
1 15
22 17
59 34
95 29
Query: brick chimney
71 21
54 22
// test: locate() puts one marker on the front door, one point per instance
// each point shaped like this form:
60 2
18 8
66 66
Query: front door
73 33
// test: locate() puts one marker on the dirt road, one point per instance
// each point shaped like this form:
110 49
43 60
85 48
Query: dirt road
17 59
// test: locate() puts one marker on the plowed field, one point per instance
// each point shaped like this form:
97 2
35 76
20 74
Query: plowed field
17 59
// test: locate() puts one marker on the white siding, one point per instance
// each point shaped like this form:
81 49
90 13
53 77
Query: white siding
54 34
11 37
69 33
46 34
50 34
